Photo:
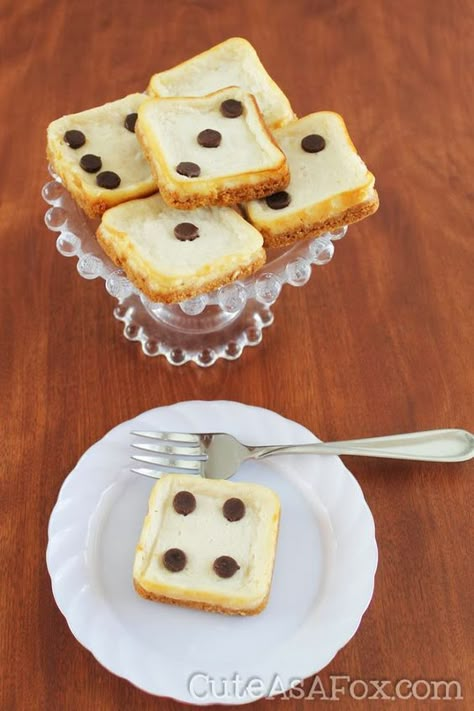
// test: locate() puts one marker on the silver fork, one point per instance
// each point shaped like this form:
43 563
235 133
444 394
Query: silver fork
218 456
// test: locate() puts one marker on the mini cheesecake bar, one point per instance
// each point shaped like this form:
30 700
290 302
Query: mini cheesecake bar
209 544
230 63
330 185
97 156
210 150
171 255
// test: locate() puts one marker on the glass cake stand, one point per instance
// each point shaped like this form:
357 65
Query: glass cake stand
201 330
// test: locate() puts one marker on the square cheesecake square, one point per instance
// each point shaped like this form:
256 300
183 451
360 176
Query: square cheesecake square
330 185
208 544
171 256
210 150
230 63
97 156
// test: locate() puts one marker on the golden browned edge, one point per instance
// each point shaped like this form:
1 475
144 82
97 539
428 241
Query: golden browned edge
93 207
183 293
151 91
273 179
208 607
228 196
348 217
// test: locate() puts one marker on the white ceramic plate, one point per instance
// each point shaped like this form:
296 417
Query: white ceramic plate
323 581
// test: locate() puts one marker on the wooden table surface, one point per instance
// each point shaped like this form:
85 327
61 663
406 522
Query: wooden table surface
380 340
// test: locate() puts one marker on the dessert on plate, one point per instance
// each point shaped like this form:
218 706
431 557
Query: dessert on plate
208 544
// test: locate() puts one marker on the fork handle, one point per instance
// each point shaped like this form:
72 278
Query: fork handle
450 445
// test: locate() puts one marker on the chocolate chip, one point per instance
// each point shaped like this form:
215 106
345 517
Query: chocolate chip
184 502
108 180
231 108
209 138
190 170
174 559
90 163
186 232
277 201
313 143
233 509
225 566
74 139
130 122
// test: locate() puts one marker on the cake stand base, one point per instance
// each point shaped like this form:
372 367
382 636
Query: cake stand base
166 330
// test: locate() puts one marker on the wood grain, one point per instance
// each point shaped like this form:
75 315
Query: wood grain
381 340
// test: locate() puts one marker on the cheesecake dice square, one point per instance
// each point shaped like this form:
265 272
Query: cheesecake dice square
97 156
171 255
208 544
210 150
231 63
330 185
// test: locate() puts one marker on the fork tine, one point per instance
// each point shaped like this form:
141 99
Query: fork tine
191 440
182 466
143 471
158 473
170 449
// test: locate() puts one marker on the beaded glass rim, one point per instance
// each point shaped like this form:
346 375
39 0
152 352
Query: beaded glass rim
241 309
